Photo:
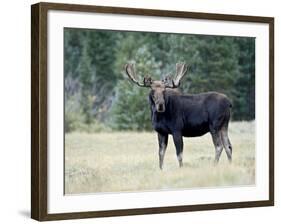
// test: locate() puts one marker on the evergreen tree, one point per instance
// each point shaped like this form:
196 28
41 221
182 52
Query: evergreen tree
216 66
86 75
101 50
244 86
131 109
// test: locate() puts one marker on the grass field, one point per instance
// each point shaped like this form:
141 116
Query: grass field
128 161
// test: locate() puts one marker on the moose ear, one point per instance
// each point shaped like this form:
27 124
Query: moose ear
174 82
168 81
147 80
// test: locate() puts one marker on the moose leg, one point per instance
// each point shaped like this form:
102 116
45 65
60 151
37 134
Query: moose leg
163 142
179 147
226 143
218 145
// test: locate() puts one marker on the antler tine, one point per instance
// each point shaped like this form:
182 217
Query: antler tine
130 71
181 69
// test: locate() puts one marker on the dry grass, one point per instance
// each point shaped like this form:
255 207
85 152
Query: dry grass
128 161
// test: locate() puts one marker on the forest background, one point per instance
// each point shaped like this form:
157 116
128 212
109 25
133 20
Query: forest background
99 96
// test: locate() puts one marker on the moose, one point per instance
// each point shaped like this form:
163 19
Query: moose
185 115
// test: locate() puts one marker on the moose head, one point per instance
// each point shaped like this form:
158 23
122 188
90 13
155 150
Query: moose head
158 87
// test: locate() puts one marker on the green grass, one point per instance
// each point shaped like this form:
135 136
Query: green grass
128 161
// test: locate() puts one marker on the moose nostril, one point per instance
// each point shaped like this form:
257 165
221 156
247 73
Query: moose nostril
161 107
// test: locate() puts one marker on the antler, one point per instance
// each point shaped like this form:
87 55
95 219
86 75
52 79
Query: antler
170 82
130 71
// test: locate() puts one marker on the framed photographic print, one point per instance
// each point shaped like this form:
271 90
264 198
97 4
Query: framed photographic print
140 111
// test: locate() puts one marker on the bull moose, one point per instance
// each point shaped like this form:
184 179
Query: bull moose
185 115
